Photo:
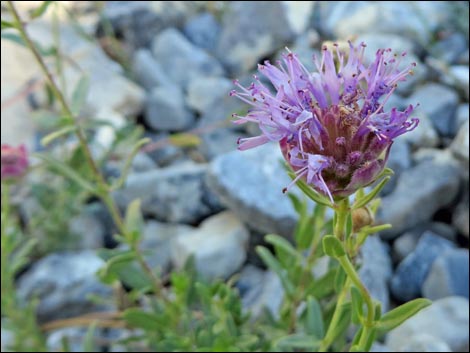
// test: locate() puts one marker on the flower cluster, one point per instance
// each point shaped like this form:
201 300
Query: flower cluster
14 161
331 124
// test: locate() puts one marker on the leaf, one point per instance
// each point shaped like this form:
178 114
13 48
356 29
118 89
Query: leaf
275 266
89 339
400 314
66 171
314 320
282 245
340 278
309 192
134 221
6 24
298 341
40 10
324 286
357 305
144 320
344 320
366 199
332 246
80 94
184 139
46 140
16 38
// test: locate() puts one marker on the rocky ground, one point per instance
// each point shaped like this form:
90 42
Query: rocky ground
215 202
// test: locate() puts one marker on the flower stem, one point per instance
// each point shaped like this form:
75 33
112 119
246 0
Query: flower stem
102 186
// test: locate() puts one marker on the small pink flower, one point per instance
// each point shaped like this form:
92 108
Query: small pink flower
14 161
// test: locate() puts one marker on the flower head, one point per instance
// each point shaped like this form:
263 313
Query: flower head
14 161
331 124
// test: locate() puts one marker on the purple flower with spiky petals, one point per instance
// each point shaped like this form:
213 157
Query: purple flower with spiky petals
14 162
331 124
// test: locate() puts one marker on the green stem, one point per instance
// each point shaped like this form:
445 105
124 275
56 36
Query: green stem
103 187
331 332
341 211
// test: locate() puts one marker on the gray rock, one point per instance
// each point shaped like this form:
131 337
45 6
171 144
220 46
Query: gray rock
88 231
298 14
448 275
162 152
303 47
439 103
424 135
148 71
460 145
244 40
139 21
250 280
412 271
376 270
423 342
218 246
62 282
345 19
462 115
220 113
420 192
450 48
446 320
172 194
156 243
250 183
142 163
203 30
181 60
399 160
406 243
74 336
460 218
268 296
202 94
7 339
378 347
166 110
459 76
219 142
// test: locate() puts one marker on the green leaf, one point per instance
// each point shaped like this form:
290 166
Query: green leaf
80 94
340 278
309 192
275 266
314 320
134 221
46 140
40 10
324 286
357 305
141 319
377 310
66 171
283 246
16 38
366 199
298 341
344 320
6 24
89 339
400 314
22 254
332 246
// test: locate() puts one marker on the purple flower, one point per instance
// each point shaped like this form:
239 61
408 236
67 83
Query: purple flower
331 124
14 161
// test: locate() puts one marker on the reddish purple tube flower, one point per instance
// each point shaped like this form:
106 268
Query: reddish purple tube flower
14 161
330 124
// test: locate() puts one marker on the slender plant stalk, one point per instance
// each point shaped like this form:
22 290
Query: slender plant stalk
103 189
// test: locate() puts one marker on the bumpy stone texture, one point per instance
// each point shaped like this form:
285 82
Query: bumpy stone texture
268 295
448 275
166 110
173 194
420 192
203 31
139 21
250 183
439 103
446 320
204 93
148 71
181 60
424 135
460 145
413 20
218 246
376 270
424 342
399 160
251 31
460 218
62 282
412 271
